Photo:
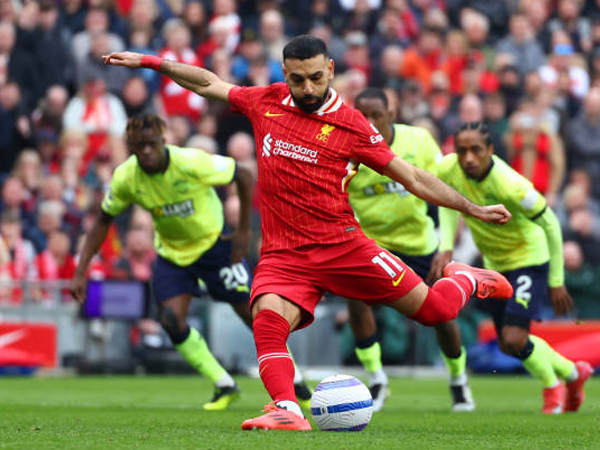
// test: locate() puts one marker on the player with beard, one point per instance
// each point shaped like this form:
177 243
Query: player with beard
309 145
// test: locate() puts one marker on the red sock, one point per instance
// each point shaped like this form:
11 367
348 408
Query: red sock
274 361
444 300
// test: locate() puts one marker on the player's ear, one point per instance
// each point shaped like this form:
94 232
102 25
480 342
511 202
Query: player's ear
331 68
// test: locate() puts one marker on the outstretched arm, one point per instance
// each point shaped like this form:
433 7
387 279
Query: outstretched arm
241 239
196 79
92 242
448 219
559 296
433 190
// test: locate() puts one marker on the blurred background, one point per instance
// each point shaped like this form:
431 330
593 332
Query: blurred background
529 68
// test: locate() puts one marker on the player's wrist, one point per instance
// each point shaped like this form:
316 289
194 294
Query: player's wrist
152 62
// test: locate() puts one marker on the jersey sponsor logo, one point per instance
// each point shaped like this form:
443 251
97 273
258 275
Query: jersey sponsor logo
270 114
288 150
267 145
391 187
183 210
377 137
326 130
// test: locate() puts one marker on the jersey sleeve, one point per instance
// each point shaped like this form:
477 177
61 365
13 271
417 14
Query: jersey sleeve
548 221
118 196
445 167
432 155
213 170
245 99
448 219
370 148
525 197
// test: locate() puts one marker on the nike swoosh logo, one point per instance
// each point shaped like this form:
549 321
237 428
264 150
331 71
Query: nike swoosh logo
397 281
270 114
11 338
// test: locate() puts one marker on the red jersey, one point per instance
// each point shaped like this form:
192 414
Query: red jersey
305 161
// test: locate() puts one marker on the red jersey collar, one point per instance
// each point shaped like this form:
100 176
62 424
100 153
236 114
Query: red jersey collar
333 104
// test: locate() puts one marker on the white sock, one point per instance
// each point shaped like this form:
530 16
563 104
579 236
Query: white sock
471 279
378 377
291 406
298 378
460 380
573 375
225 381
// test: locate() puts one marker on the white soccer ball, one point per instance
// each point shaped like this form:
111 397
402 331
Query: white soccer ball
341 403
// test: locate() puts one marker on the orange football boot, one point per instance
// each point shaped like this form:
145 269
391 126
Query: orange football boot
277 418
489 282
575 395
554 399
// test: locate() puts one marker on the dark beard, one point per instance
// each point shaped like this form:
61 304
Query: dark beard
311 107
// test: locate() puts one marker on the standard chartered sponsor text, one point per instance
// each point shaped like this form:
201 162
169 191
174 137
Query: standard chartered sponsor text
295 151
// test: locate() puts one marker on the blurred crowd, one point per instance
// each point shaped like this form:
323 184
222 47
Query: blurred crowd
529 68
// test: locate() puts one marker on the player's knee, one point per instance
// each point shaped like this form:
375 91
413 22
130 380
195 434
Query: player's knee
512 344
171 323
435 310
510 348
243 312
362 319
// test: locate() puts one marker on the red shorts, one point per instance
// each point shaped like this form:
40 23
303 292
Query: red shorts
357 269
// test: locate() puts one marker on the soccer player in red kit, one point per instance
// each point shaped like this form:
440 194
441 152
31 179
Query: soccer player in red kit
308 147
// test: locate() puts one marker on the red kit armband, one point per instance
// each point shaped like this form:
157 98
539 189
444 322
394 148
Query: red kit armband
152 62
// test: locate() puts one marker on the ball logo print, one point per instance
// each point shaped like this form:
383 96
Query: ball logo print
267 145
341 403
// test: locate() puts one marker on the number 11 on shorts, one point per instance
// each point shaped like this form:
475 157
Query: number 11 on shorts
391 266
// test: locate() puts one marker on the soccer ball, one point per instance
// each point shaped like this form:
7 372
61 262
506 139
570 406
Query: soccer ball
341 403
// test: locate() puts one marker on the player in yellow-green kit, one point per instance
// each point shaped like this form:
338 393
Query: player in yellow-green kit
398 221
527 251
176 185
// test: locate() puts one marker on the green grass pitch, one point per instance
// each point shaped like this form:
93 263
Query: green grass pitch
165 413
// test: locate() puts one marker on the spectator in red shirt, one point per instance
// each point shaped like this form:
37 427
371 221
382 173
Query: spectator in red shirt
457 59
56 263
138 256
21 254
176 100
421 60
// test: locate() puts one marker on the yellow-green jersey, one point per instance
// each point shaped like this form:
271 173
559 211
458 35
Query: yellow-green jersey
520 243
187 213
386 211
